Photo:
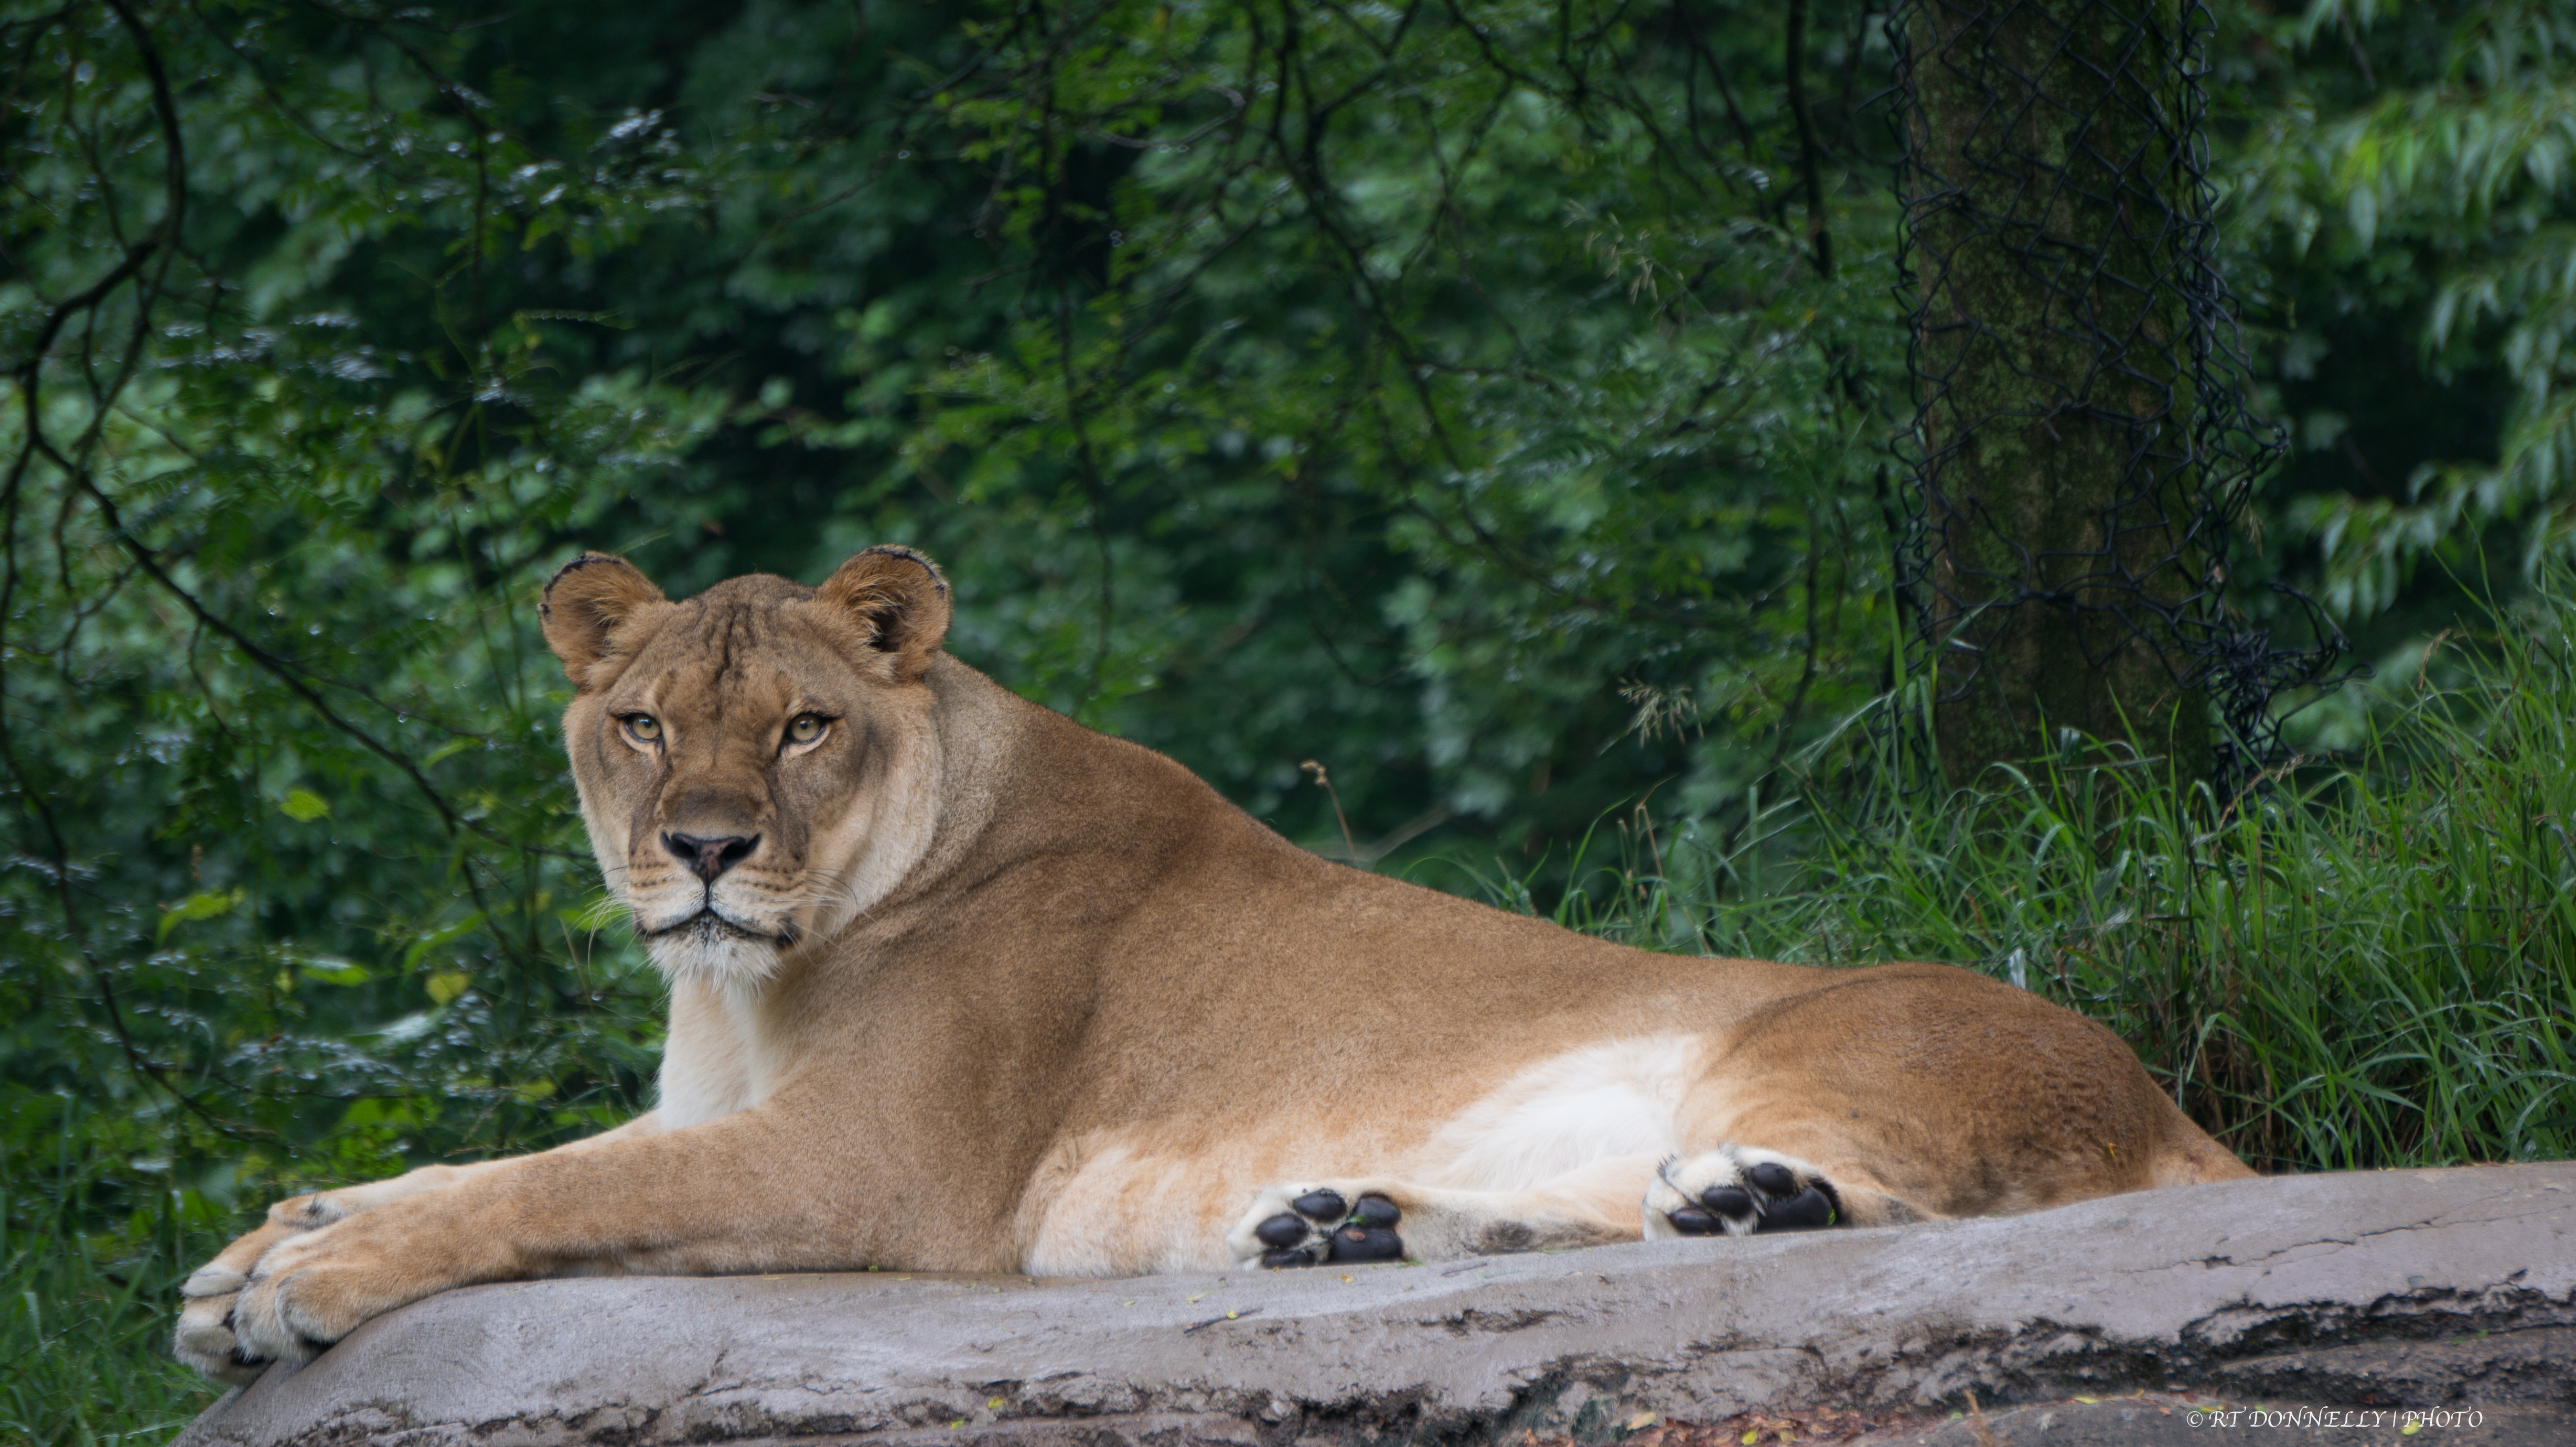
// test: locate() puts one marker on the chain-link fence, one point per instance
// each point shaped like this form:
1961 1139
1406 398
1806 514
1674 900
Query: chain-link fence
2083 452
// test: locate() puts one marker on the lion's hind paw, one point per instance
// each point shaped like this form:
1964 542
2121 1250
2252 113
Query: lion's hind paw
1309 1225
1738 1191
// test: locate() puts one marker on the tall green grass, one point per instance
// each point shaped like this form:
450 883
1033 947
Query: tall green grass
2367 962
2371 962
90 1268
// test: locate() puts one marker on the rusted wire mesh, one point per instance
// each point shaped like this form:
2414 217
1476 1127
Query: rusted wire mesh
2083 451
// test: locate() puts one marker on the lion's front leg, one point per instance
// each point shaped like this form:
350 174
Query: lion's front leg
732 1195
211 1296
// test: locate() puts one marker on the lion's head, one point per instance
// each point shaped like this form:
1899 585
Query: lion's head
756 763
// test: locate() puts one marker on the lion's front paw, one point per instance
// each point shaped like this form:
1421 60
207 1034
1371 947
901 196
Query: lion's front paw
206 1342
1304 1225
1738 1191
211 1335
205 1338
311 1290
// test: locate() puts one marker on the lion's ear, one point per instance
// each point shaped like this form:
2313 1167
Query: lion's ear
899 597
584 605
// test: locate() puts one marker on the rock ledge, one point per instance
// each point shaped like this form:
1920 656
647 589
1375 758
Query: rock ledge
2396 1290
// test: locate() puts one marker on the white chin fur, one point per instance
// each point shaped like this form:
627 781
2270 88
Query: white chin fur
712 953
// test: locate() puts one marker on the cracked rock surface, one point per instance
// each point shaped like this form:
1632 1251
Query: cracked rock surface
2450 1289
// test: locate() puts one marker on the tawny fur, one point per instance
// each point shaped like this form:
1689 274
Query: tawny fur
1018 996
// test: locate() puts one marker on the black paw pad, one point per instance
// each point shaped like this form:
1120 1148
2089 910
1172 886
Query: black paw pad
1809 1210
1769 1197
1692 1221
1323 1205
1727 1200
1280 1260
1281 1230
1365 1243
1376 1211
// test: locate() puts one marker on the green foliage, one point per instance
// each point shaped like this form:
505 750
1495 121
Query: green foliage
88 1268
1477 348
2442 186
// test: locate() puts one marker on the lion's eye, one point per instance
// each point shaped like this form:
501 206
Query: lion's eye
805 728
644 727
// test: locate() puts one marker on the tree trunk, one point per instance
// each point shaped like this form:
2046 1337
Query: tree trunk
2053 216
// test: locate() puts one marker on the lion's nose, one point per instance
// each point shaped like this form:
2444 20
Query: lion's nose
707 858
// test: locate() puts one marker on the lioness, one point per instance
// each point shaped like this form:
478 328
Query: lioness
957 984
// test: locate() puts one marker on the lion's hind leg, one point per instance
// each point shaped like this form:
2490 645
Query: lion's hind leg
1908 1093
1363 1219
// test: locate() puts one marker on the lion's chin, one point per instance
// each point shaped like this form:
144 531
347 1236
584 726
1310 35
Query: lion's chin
706 948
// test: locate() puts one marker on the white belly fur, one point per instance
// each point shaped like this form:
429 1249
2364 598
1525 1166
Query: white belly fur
1116 1206
1615 1099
